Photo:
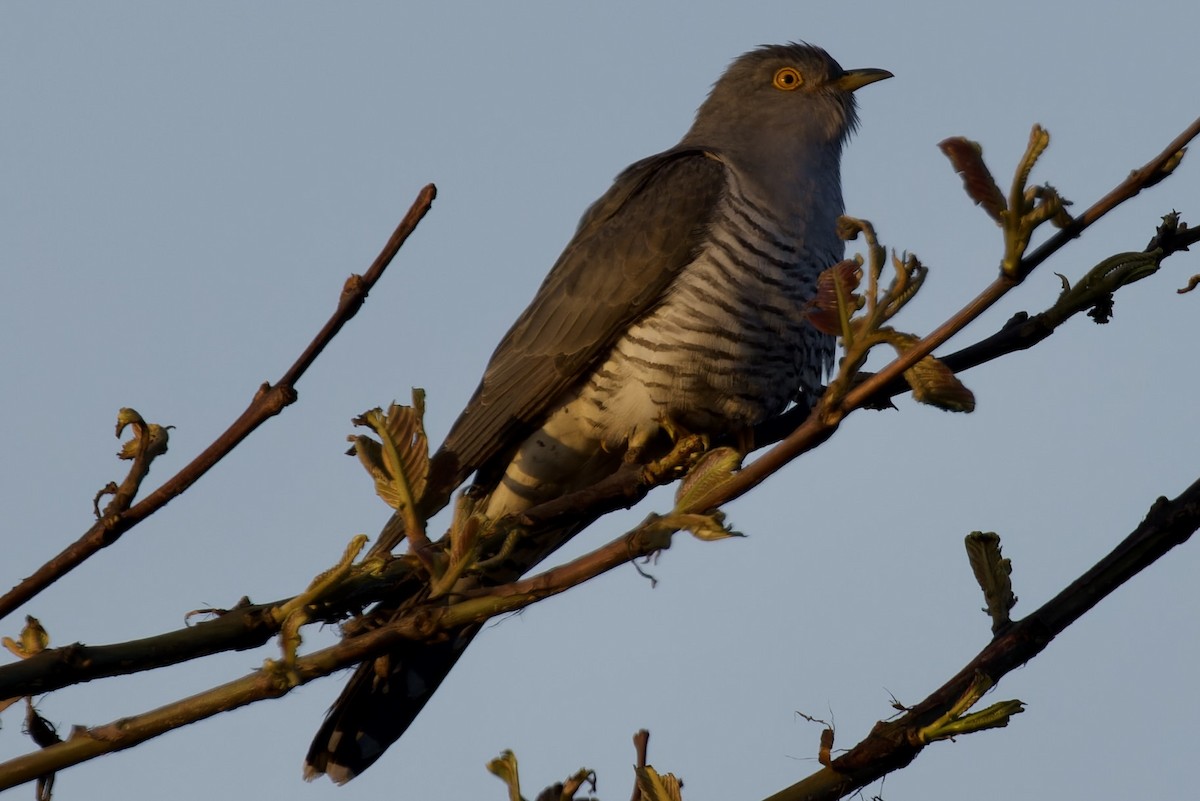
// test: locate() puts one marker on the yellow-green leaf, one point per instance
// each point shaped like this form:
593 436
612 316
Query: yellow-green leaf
655 787
34 639
505 767
399 462
701 486
933 383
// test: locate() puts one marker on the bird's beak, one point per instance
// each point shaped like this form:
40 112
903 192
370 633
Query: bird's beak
857 79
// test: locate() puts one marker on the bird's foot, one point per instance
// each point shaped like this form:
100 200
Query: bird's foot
687 451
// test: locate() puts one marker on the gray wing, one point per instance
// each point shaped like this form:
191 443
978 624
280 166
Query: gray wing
628 248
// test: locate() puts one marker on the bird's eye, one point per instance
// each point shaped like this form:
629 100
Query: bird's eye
787 79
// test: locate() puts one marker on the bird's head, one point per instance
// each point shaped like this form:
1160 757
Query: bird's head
781 99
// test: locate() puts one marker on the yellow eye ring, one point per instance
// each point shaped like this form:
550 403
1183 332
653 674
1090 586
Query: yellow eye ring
787 79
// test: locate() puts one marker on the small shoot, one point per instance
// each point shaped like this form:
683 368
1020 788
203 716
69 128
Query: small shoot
1025 209
957 722
399 464
863 322
994 574
700 488
504 767
1094 291
148 443
32 640
658 787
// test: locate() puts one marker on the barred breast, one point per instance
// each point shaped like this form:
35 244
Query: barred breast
730 345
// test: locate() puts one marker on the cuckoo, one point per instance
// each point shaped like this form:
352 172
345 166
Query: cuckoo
680 304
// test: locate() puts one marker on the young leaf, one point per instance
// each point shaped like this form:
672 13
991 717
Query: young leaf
505 768
712 472
967 159
656 787
993 572
827 313
400 463
933 383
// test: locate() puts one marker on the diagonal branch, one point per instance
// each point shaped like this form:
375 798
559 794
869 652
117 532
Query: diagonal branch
268 402
894 744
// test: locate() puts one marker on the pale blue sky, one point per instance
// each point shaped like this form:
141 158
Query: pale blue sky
183 189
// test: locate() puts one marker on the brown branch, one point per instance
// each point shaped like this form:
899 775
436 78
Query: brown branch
894 744
268 402
275 680
251 625
240 628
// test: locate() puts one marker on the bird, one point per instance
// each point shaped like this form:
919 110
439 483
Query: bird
679 305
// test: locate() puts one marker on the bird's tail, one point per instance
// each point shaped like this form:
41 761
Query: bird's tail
385 695
378 705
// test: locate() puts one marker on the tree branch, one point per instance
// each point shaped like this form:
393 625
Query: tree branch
243 627
274 679
268 402
893 745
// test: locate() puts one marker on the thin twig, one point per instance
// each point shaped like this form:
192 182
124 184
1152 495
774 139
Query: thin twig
268 402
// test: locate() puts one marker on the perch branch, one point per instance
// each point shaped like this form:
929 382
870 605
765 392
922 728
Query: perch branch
419 623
